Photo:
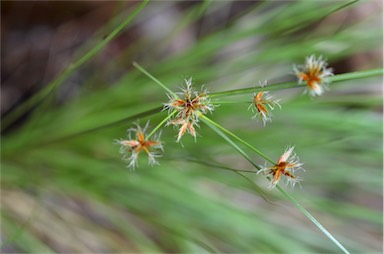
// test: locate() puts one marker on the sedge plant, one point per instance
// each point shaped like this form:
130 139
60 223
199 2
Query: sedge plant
191 110
214 165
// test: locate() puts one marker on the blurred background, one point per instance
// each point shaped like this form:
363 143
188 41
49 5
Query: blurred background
64 187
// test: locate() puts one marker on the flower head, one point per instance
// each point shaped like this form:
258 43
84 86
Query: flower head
287 164
138 142
261 104
190 105
315 73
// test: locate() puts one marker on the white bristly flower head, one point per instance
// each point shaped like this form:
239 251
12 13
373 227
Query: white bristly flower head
262 104
315 73
190 105
137 142
287 164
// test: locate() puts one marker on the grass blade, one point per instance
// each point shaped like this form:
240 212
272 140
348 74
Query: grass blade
38 97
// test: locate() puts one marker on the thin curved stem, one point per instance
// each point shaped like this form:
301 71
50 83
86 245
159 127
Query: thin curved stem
238 138
140 68
313 219
160 124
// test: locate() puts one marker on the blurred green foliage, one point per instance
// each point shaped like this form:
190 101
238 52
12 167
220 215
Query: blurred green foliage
66 189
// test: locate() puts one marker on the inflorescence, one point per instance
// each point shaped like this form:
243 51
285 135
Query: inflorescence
315 73
262 103
190 105
287 164
137 142
185 109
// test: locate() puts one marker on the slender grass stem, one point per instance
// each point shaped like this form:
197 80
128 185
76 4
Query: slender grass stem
238 138
218 102
285 85
216 128
245 155
140 68
38 97
255 186
313 219
160 124
211 163
357 75
220 131
254 89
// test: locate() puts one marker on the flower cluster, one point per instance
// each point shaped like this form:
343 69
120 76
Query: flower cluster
315 73
138 142
287 164
261 104
190 105
186 108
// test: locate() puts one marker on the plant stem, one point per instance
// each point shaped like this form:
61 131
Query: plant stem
160 124
219 130
140 68
216 128
254 89
238 138
285 85
218 102
313 219
38 97
221 134
357 75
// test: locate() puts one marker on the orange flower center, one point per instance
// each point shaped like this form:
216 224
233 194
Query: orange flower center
259 102
143 144
312 77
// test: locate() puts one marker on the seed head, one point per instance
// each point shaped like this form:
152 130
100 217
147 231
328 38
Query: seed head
287 164
138 142
190 105
262 103
315 73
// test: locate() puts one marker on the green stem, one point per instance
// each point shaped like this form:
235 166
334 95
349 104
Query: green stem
285 85
313 219
357 75
218 102
140 68
219 130
160 124
238 138
38 97
255 89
